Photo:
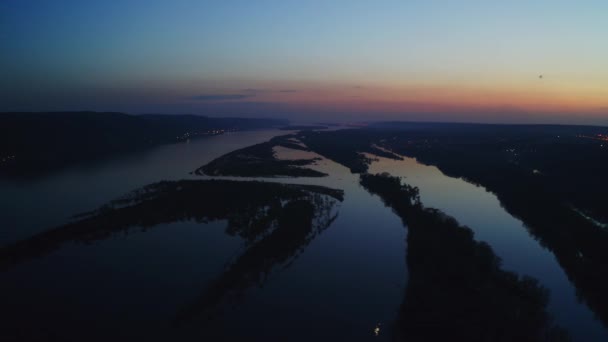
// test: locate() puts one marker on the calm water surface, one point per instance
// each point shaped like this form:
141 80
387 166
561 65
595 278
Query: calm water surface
30 206
480 210
349 280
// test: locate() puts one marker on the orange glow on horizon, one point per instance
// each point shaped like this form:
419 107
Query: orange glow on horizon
535 96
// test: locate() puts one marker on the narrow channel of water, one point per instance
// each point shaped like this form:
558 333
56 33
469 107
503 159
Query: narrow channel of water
350 280
480 210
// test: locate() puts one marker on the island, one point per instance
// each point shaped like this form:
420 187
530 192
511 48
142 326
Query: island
549 176
251 209
261 161
456 288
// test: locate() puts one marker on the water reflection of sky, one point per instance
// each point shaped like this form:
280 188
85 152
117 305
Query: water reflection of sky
350 277
480 210
30 206
349 280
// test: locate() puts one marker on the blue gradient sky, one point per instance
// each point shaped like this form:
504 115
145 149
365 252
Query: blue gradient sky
421 60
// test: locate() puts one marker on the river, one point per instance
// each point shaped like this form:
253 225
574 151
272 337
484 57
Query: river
347 284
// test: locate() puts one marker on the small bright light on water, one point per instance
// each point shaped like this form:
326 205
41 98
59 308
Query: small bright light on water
377 330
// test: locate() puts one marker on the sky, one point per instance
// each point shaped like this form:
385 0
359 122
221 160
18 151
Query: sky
534 61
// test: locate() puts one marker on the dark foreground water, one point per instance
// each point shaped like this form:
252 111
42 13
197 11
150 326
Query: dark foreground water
346 284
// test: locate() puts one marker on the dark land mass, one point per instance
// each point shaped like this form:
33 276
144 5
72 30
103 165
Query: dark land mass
260 161
456 289
569 161
303 127
347 147
328 124
35 143
541 174
243 204
275 221
297 223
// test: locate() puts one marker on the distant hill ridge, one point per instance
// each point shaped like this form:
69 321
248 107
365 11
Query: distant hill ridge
37 141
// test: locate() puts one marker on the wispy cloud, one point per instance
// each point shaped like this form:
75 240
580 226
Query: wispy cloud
267 91
254 90
240 94
221 97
